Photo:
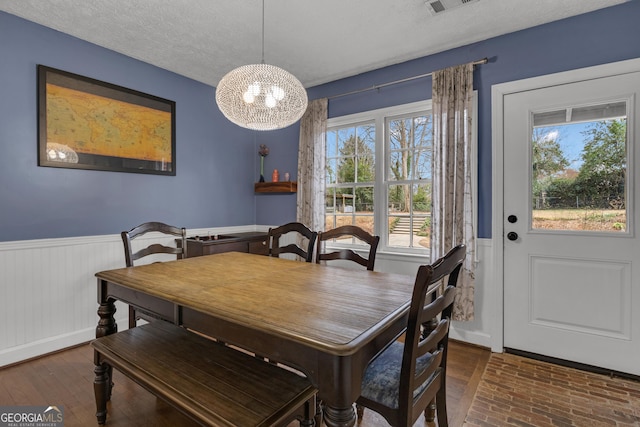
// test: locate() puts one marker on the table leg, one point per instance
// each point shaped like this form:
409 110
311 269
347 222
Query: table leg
107 324
339 417
103 383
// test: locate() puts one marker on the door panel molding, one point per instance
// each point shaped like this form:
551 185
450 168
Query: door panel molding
548 274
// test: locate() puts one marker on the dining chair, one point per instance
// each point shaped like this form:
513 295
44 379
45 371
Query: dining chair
348 254
302 234
402 380
155 248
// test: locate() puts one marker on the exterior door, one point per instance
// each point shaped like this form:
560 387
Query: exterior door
571 256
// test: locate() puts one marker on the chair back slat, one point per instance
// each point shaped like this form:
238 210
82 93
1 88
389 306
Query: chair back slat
155 248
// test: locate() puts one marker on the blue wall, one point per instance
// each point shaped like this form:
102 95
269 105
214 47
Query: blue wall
217 162
603 36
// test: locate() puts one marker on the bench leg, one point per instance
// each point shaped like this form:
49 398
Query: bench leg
102 390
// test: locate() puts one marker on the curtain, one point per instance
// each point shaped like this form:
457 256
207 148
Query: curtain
452 213
311 165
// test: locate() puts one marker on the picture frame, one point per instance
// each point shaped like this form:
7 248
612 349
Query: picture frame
85 123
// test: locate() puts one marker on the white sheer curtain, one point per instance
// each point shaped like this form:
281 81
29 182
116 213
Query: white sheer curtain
452 214
311 165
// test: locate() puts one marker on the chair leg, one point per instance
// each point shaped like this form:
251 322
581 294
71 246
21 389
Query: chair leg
319 419
430 411
102 390
310 413
441 404
359 411
132 317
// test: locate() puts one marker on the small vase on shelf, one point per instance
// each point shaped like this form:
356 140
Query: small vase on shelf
264 151
261 168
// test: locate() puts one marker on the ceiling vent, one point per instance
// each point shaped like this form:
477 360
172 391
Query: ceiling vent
439 6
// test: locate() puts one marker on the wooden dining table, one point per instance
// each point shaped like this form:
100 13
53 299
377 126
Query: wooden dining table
327 322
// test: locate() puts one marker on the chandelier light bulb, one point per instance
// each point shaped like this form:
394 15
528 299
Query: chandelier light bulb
277 93
255 88
248 97
270 101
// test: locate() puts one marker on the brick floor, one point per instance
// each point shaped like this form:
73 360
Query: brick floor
517 391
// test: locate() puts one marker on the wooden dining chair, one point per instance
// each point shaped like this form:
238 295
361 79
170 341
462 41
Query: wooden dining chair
302 233
402 381
350 231
155 248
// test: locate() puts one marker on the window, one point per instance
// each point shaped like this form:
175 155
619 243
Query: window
378 175
409 144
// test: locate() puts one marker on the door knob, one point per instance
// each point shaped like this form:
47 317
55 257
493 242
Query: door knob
512 235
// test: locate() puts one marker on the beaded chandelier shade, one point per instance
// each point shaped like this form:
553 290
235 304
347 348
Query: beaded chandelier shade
261 97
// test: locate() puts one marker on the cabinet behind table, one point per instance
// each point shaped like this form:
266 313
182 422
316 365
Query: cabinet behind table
254 242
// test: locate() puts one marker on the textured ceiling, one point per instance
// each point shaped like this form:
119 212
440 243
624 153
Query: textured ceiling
317 41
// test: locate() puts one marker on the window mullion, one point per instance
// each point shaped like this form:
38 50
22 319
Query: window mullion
380 193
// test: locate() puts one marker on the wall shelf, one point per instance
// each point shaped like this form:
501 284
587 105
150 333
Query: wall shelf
276 187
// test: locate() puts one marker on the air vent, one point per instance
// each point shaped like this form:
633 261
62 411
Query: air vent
439 6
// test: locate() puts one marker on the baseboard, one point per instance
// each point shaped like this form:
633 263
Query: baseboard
35 349
471 337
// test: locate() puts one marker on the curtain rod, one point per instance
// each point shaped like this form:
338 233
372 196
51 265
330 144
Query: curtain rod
478 62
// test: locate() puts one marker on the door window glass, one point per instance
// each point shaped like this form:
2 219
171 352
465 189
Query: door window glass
579 168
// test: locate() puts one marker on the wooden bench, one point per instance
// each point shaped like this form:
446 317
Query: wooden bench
213 384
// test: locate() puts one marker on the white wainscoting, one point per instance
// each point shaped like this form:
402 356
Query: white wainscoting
49 297
48 291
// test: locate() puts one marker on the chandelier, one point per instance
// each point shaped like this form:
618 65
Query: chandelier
261 96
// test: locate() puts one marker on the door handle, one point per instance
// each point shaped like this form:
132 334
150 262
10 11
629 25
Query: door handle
512 235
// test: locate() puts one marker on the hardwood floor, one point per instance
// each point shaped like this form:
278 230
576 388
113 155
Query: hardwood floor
65 379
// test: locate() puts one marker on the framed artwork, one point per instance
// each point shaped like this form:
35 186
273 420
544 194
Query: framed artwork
88 124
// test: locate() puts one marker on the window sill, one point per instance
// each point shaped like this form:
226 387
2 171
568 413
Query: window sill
422 258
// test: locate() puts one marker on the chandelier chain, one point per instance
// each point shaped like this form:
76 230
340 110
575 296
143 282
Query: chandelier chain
263 31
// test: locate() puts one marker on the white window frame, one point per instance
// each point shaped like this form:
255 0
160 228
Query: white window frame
379 117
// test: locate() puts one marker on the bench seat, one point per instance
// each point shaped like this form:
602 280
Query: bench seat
213 384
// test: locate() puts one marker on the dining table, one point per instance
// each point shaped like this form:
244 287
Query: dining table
327 322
